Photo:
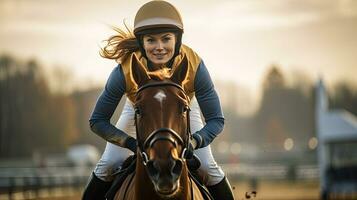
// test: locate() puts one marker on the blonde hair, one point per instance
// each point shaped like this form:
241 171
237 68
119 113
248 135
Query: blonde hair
118 47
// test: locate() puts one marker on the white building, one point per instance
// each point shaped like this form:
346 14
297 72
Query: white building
337 147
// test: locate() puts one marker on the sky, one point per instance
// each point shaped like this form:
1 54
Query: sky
237 39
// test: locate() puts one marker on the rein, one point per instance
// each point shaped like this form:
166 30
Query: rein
173 136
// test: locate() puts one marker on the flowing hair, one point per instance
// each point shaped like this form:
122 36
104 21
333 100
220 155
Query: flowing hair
119 46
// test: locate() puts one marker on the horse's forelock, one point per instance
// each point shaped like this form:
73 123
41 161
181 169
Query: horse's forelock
160 75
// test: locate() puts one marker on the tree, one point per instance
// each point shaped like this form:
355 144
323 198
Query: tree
345 97
32 118
285 112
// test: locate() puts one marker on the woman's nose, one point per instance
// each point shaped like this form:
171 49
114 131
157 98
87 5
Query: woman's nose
159 46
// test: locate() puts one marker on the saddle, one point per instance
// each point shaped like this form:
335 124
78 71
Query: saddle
128 168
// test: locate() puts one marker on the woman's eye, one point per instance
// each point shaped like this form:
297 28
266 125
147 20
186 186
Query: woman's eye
166 39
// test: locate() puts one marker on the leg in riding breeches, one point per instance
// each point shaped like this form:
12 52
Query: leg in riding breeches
209 171
211 174
103 174
114 156
111 160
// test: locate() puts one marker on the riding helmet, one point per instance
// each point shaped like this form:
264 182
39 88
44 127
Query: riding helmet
156 17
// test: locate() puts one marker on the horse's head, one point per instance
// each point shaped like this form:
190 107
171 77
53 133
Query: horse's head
162 121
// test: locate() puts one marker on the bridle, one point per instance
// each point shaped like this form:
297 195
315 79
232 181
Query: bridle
173 136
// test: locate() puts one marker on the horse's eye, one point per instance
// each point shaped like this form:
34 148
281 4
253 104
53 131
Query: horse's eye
138 111
185 108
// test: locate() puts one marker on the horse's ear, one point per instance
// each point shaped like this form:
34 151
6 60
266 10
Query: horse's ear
139 72
180 73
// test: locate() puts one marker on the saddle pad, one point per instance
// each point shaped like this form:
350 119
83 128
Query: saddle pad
125 193
205 193
128 169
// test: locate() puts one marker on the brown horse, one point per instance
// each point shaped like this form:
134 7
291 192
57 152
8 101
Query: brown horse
162 124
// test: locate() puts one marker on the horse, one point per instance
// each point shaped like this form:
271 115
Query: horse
163 134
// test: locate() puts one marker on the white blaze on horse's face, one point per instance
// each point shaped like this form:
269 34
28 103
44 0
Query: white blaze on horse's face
160 96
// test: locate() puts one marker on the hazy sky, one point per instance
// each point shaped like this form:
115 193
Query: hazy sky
238 40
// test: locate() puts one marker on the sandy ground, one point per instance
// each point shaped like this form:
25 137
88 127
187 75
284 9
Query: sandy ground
267 190
243 190
276 190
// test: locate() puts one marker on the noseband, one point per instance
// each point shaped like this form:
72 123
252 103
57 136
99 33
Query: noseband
173 136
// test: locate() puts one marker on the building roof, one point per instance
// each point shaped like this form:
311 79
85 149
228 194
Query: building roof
333 125
337 125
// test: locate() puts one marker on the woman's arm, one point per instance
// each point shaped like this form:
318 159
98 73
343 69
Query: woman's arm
210 106
104 109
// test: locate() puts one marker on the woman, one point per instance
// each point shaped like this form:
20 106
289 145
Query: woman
158 30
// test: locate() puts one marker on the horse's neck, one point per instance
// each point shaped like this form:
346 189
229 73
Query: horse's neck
184 182
144 189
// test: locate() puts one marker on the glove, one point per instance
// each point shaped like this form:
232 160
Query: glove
131 144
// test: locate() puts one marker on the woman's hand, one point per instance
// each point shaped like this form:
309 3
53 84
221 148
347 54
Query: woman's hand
131 144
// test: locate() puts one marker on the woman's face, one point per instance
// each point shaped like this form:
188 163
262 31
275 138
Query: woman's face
159 48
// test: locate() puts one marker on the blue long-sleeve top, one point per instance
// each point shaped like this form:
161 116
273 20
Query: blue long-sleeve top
107 102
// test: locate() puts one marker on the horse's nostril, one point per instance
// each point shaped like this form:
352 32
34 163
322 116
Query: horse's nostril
152 170
177 168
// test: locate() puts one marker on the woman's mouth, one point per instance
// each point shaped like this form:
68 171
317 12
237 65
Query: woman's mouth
160 55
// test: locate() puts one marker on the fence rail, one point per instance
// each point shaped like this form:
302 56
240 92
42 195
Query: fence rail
271 171
31 182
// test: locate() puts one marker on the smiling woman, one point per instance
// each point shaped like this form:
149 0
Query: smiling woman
156 48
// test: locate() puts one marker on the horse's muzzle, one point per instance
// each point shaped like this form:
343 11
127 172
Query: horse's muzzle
166 183
167 189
